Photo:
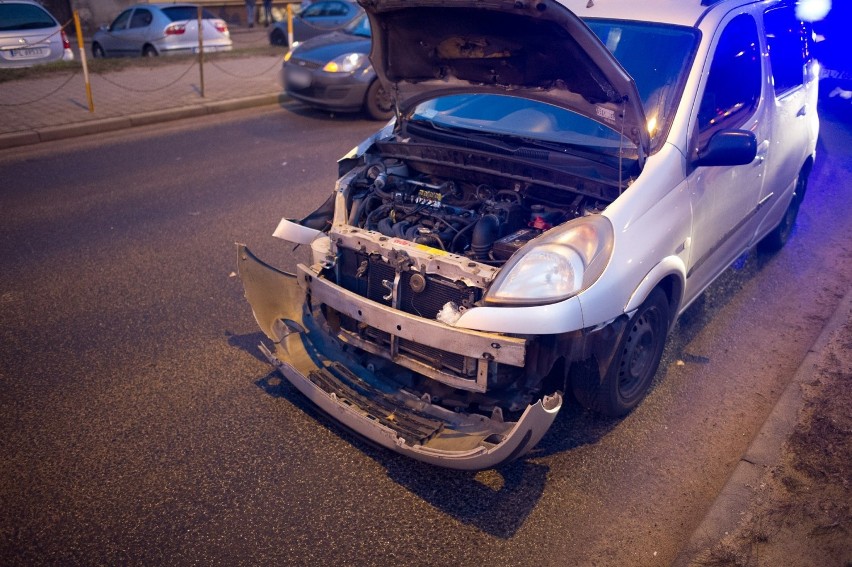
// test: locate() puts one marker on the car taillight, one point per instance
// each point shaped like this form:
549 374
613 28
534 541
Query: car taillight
221 26
175 29
65 43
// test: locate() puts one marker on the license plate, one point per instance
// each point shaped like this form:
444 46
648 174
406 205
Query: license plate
298 78
28 52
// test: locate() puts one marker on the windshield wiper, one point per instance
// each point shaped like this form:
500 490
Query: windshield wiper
465 137
518 146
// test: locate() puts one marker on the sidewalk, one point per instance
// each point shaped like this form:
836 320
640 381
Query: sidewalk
55 106
747 519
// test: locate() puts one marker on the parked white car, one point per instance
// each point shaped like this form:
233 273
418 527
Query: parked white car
563 178
30 35
150 30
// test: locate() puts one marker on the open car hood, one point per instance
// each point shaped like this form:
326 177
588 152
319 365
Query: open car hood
537 49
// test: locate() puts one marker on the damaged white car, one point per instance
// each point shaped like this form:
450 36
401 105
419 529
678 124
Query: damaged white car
560 181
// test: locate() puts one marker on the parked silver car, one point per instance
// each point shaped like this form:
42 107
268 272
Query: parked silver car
29 35
561 180
160 29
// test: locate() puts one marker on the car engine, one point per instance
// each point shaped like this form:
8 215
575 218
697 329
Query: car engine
486 219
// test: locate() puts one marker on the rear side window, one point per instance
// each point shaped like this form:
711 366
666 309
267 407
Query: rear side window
180 13
24 17
787 38
734 82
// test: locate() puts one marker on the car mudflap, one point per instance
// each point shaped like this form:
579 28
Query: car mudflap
361 400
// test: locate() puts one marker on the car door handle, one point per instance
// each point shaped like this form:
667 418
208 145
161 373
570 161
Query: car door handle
802 111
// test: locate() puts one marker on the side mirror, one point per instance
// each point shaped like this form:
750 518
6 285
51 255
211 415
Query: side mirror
728 147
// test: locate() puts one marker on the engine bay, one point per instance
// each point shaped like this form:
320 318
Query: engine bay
484 217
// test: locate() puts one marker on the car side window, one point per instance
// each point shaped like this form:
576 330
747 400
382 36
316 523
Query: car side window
787 38
121 21
336 9
141 18
734 82
314 10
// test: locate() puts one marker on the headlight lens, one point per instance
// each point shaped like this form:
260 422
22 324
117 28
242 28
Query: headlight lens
555 266
345 63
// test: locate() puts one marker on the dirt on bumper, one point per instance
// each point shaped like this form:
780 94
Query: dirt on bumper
374 408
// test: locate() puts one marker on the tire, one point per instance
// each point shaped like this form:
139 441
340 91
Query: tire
149 51
378 103
636 359
778 236
98 51
278 37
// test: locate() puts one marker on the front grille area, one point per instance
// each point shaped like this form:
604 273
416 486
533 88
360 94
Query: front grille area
367 281
371 277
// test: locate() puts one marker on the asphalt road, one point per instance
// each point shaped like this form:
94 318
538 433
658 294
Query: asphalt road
139 425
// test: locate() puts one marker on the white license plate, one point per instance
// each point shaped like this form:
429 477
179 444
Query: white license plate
298 78
29 52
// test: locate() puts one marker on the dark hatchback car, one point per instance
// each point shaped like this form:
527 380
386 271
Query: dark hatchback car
319 18
333 72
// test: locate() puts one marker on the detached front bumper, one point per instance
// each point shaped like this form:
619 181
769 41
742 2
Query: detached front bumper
375 408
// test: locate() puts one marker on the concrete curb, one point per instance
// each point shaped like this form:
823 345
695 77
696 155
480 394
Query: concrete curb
96 126
764 451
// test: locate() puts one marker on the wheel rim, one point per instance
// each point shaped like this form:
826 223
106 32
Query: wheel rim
638 359
382 100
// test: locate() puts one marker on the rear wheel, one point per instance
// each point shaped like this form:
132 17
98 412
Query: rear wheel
149 51
378 103
779 235
634 365
97 51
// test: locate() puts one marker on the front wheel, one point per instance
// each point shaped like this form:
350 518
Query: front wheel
278 37
98 51
634 365
378 103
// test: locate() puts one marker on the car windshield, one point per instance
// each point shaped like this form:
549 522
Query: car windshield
359 27
516 117
656 57
24 17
